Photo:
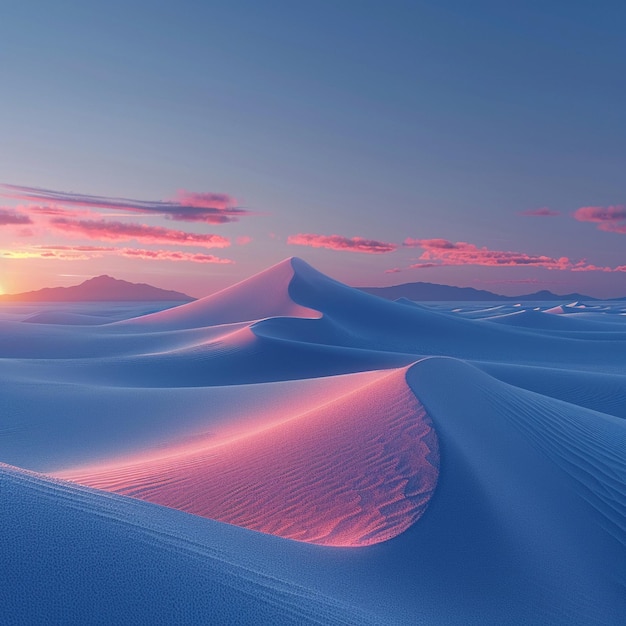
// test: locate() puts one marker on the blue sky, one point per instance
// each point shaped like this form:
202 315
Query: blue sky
432 121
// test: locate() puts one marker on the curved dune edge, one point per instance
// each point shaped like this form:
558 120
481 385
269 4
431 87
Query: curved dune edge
263 295
354 472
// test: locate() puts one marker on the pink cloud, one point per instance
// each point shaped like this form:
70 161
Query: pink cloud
204 200
441 252
611 227
600 214
44 254
211 208
13 218
444 252
244 240
78 248
52 210
422 266
542 212
337 242
121 231
170 255
611 219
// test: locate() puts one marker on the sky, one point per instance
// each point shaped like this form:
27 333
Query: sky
192 144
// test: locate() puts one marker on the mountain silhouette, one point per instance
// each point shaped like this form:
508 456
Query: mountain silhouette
99 289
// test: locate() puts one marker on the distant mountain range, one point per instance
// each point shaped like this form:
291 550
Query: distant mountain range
446 293
99 289
105 288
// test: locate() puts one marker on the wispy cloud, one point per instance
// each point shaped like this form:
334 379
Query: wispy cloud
441 252
211 208
53 210
123 231
611 219
446 252
337 242
77 248
12 218
171 255
423 266
77 253
542 212
44 254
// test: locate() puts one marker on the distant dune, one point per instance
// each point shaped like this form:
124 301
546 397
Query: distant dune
99 289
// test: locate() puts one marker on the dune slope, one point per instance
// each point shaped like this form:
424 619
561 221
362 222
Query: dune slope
351 472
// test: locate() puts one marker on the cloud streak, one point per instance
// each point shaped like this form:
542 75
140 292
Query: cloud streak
122 231
445 252
337 242
44 254
13 218
172 255
81 253
77 248
542 212
611 219
441 253
211 208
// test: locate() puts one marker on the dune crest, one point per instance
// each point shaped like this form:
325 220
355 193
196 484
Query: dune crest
353 472
263 295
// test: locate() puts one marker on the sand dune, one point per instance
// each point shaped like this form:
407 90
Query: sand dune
355 470
458 464
263 295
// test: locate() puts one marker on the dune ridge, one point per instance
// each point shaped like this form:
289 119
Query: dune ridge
353 472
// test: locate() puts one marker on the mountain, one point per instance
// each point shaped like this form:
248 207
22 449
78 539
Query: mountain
444 293
99 289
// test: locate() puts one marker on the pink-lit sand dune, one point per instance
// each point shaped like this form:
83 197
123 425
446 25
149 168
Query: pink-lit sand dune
353 471
263 295
471 457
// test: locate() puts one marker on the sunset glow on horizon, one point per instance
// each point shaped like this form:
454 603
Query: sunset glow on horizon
191 162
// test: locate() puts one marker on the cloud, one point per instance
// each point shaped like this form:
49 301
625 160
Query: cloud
11 218
204 200
441 252
444 252
44 254
52 210
337 242
211 208
77 248
516 281
244 240
170 255
75 253
122 231
600 214
422 266
542 212
611 219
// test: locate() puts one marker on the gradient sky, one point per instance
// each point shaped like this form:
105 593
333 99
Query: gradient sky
191 144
